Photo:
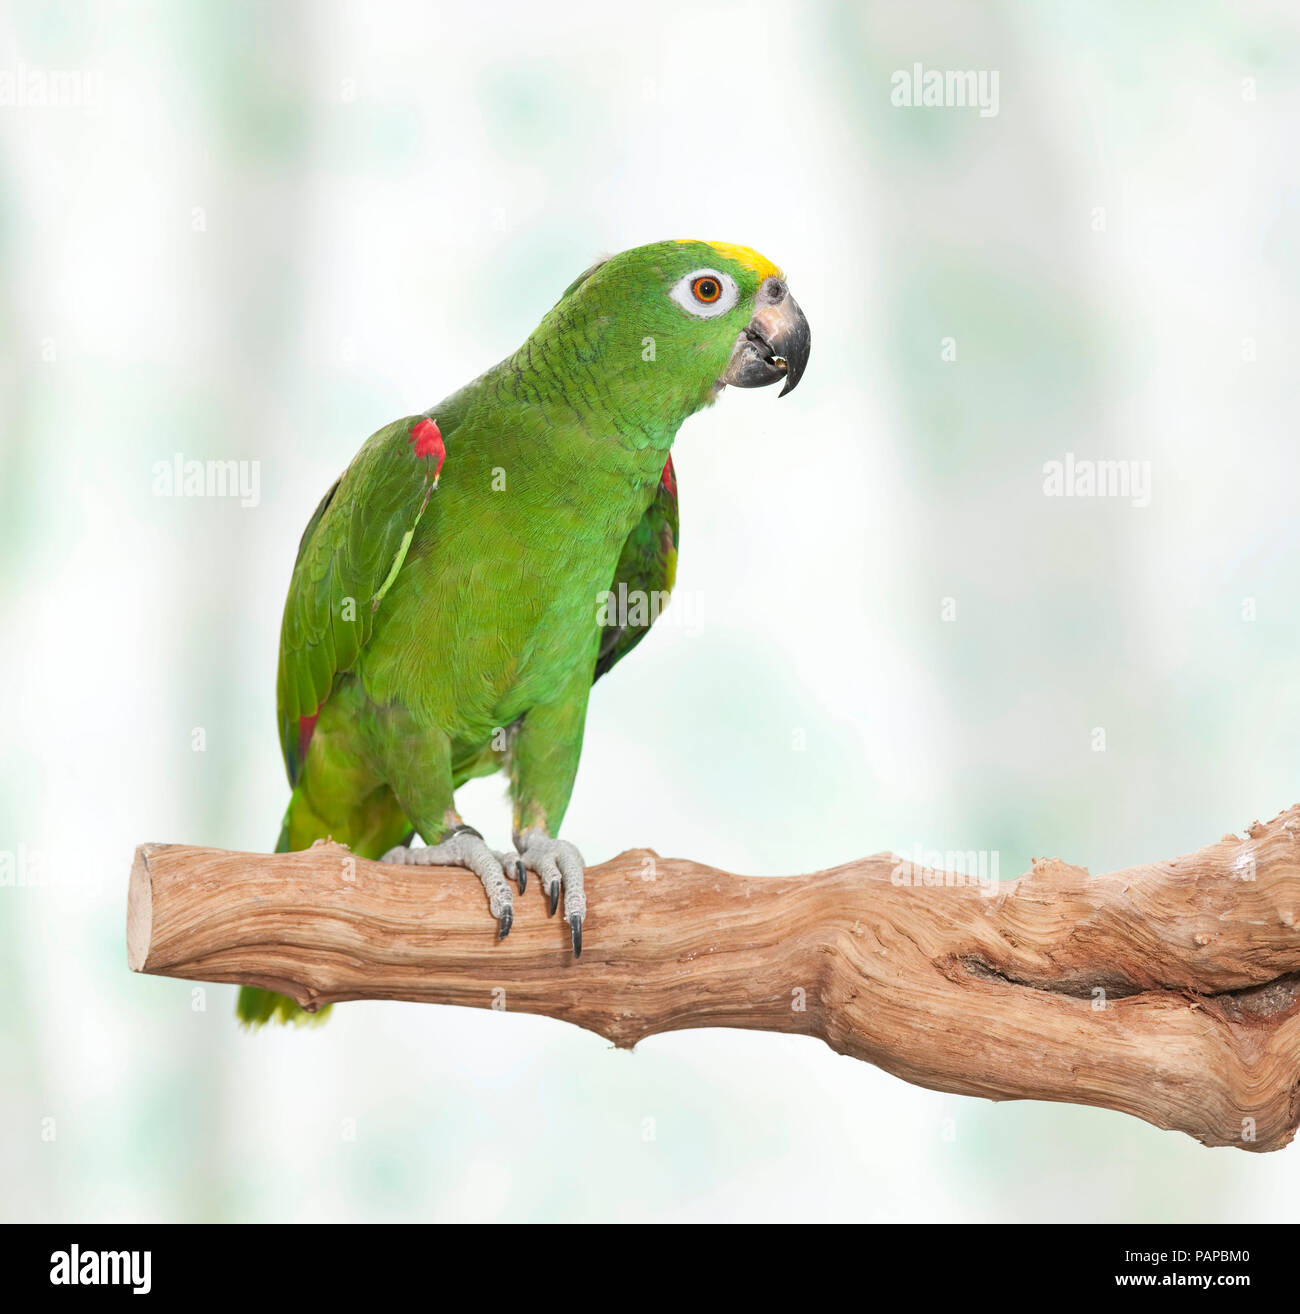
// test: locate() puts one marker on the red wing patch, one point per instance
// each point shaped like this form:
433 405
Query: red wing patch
427 440
669 478
306 727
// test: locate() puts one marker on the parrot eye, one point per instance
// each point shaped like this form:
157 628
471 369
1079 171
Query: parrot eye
706 292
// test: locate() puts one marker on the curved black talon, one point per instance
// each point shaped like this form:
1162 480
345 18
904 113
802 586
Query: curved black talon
575 929
555 896
507 921
521 872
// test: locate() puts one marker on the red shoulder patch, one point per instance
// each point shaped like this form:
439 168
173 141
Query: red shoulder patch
669 478
306 728
427 440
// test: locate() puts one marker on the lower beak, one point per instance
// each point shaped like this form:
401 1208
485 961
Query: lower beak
773 345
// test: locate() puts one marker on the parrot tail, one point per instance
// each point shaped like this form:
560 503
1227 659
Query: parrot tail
257 1006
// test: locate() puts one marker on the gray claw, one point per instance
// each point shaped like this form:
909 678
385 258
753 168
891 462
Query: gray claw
507 921
559 869
521 872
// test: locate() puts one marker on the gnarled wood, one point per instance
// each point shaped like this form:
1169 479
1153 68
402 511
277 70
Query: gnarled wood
1170 991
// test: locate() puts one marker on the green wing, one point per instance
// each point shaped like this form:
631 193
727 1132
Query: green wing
644 577
350 553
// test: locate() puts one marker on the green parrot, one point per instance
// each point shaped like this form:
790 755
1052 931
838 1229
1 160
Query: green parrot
449 606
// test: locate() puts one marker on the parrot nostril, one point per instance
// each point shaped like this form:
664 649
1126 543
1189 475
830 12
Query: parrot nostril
774 290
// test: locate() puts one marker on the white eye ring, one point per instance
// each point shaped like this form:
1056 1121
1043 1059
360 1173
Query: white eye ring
684 293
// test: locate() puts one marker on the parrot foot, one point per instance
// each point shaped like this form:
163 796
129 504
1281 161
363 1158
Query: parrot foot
465 847
558 864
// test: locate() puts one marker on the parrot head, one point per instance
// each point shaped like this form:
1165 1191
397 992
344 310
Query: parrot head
674 322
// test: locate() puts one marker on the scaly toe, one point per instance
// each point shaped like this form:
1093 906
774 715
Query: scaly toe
465 847
560 869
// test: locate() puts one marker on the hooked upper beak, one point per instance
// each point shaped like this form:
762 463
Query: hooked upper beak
774 344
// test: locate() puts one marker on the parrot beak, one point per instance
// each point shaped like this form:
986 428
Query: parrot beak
774 344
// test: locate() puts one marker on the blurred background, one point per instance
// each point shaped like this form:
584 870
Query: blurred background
257 233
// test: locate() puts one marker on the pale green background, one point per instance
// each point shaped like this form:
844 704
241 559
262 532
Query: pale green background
284 225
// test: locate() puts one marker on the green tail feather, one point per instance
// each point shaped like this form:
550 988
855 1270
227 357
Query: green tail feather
257 1006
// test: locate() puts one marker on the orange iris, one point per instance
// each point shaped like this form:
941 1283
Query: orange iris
706 289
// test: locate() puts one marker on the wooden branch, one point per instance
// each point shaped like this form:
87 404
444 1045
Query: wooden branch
1170 991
